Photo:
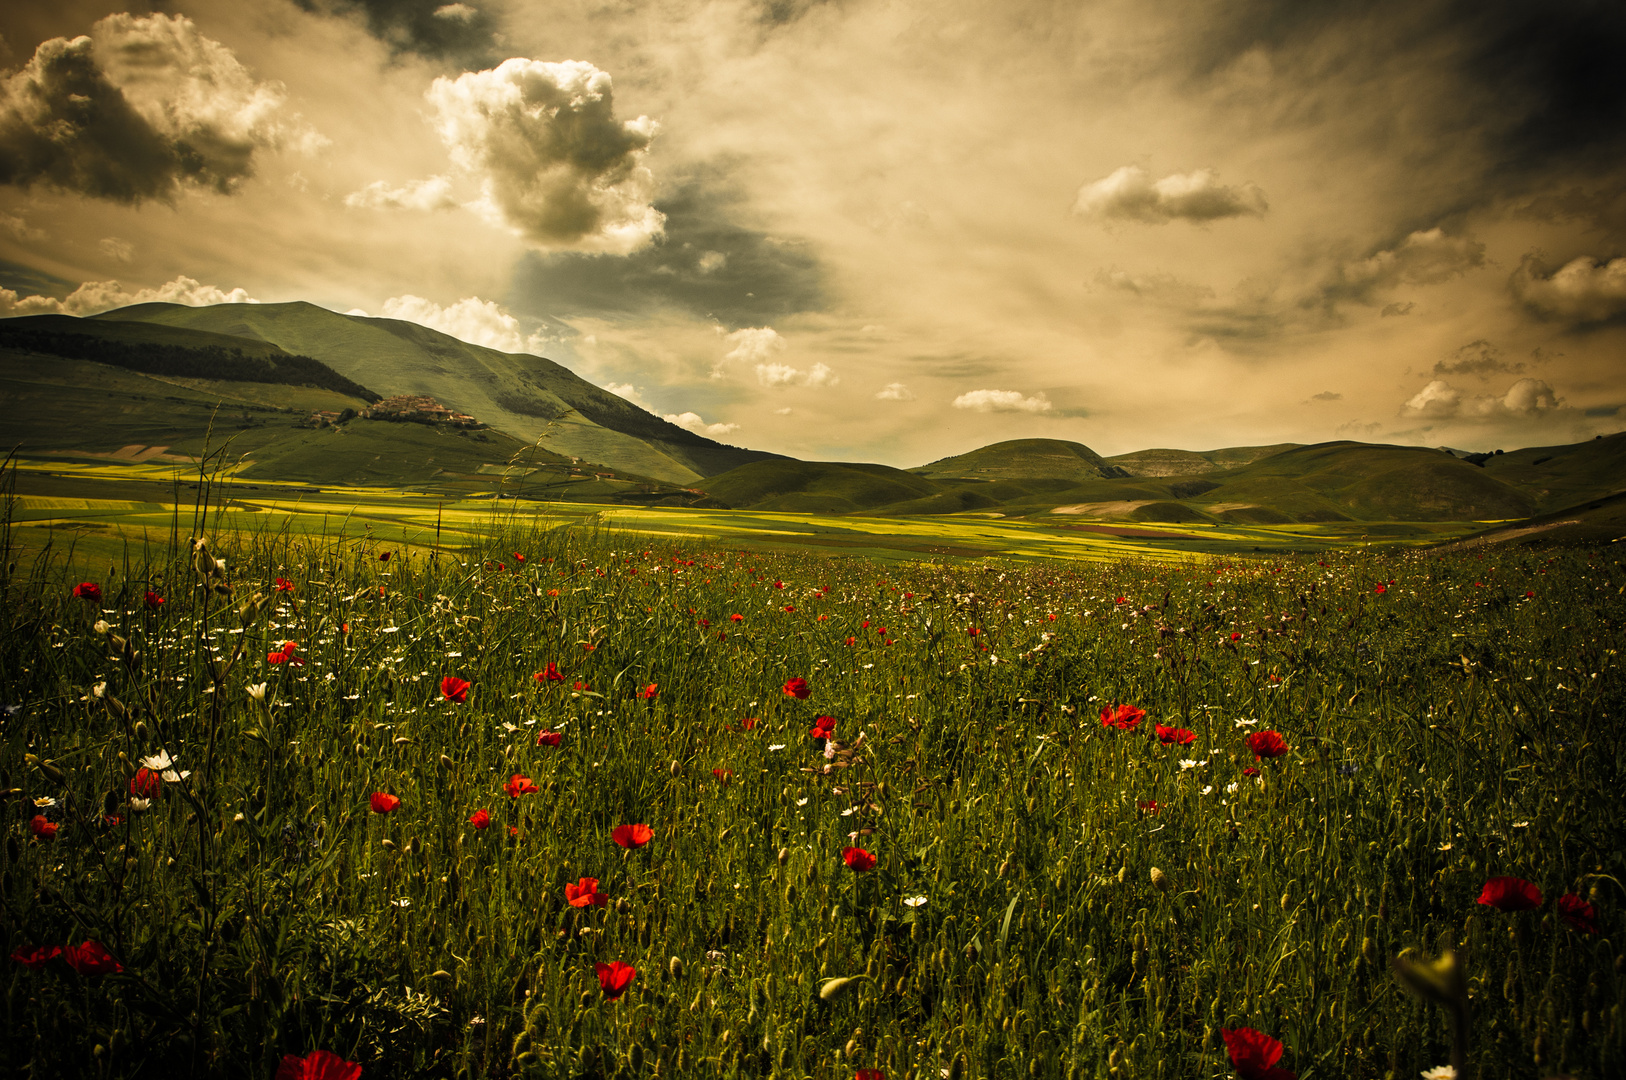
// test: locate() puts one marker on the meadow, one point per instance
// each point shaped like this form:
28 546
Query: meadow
295 794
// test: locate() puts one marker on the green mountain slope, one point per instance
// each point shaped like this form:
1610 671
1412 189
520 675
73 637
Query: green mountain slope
525 396
1559 476
1193 462
816 487
1022 459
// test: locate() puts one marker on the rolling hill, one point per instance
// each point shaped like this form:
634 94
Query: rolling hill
1023 459
527 397
1193 462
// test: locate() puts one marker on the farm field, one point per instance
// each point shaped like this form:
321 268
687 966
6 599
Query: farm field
572 801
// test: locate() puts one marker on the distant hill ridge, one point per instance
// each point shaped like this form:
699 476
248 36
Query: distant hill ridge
1023 459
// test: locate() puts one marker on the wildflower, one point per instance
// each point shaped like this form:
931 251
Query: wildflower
797 688
165 766
1250 771
518 557
1173 736
1147 806
284 585
1253 1054
43 827
632 836
614 978
317 1065
585 894
154 601
549 738
551 673
1122 717
1578 913
256 691
1440 1072
722 775
454 689
579 685
1267 744
37 957
1236 636
480 819
139 805
384 556
519 784
145 784
857 859
649 692
869 1074
823 727
88 590
1510 894
748 723
91 958
1381 589
383 802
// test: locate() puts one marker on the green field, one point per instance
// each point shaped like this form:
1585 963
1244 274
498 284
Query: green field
1051 895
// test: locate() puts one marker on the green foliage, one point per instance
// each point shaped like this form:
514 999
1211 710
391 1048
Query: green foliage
1448 729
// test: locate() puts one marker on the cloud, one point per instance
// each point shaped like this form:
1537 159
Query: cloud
1439 400
894 391
97 296
555 165
1583 290
1131 194
1002 401
1426 257
1395 309
471 319
784 375
19 228
693 422
434 193
117 249
1327 395
1479 358
626 390
139 109
457 32
754 344
456 12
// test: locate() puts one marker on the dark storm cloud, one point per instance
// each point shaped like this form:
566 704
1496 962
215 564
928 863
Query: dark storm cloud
31 282
462 33
134 111
1479 358
1541 85
708 263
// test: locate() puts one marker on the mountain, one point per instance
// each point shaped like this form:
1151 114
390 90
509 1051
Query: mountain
527 397
1193 462
817 487
1022 459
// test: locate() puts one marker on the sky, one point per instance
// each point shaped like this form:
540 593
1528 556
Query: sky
875 230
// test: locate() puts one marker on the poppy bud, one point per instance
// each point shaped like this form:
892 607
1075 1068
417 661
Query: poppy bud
673 768
141 729
784 853
413 846
445 762
675 967
102 627
389 845
1161 880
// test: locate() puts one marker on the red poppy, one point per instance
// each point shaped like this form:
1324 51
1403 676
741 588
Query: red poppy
88 590
480 819
585 894
317 1065
91 959
276 658
383 802
631 836
154 601
519 784
1235 636
1121 600
579 685
823 727
284 585
797 688
857 859
551 673
748 723
454 689
972 630
1381 589
852 641
1175 736
42 827
37 957
1267 744
1253 1054
1578 913
513 830
869 1074
1147 806
1510 894
145 784
1250 771
549 738
1122 717
736 618
384 556
518 557
614 978
649 692
722 775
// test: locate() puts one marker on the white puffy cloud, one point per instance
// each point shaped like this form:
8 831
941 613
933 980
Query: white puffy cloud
693 422
135 110
555 165
1425 257
471 319
1130 193
754 344
434 193
1003 401
456 13
628 391
785 375
97 296
1583 290
895 391
1439 400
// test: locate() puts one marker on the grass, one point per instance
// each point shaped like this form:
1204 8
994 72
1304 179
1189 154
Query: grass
1461 724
